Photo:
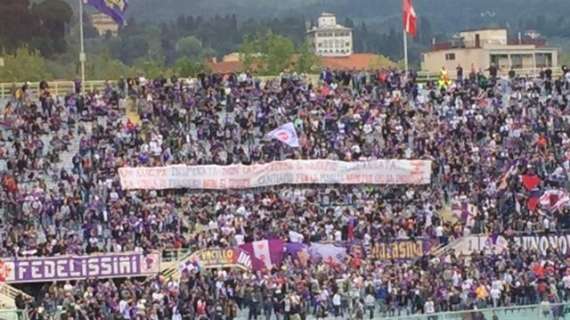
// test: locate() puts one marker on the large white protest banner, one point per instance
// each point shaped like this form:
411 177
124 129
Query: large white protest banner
413 172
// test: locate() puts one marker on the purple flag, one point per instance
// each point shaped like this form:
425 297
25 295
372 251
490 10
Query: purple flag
293 248
327 252
113 8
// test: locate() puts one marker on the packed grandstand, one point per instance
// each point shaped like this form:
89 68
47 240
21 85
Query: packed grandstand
344 198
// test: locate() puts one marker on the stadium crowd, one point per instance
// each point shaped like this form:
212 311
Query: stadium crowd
495 145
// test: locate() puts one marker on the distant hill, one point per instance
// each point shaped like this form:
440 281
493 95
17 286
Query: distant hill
444 15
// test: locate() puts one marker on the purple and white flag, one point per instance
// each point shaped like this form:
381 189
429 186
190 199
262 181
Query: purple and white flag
113 8
270 252
286 134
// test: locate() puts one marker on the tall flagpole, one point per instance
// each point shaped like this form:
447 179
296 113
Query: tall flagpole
405 51
405 33
82 57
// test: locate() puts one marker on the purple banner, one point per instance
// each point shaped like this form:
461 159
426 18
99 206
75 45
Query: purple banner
47 269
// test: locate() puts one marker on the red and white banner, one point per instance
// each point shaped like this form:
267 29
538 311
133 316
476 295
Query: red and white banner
375 172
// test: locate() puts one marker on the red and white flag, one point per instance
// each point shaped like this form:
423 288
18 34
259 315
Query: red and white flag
286 134
553 200
409 18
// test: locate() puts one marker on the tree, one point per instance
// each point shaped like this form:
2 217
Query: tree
151 68
89 31
48 36
190 47
184 67
306 60
16 24
104 67
248 51
277 53
425 31
24 65
129 48
381 62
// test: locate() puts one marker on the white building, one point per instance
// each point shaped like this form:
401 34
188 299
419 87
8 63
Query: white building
329 39
481 48
103 24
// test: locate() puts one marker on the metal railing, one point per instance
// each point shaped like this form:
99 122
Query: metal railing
545 311
531 72
57 88
13 314
61 88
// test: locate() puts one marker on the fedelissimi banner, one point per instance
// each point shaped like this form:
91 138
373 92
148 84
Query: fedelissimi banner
288 172
541 243
61 268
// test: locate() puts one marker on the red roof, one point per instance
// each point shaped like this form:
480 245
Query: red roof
356 61
226 67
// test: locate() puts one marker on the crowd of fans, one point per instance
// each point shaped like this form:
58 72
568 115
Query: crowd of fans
61 193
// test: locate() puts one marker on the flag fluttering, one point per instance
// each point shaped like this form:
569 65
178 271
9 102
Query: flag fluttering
554 200
115 9
286 134
409 18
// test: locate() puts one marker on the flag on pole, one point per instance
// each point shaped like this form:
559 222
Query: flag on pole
286 134
553 200
113 8
503 181
409 18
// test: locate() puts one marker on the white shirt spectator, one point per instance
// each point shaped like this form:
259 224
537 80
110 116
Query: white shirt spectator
429 307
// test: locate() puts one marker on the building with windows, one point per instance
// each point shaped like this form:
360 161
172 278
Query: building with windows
103 24
479 49
329 39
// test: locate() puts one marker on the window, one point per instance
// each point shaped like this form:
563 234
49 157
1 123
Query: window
500 60
516 61
543 60
449 56
348 44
